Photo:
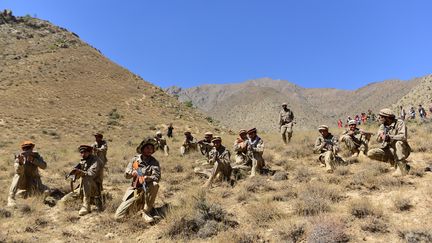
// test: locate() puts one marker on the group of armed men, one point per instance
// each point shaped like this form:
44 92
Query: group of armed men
144 169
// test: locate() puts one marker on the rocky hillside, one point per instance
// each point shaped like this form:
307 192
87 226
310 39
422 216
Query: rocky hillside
257 102
54 85
420 94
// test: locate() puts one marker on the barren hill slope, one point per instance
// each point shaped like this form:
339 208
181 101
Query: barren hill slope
420 94
257 102
53 83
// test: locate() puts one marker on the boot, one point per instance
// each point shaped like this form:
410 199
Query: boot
85 208
401 169
147 218
11 202
98 204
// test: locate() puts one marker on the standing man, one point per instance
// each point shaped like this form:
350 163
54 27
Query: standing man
255 150
100 148
240 148
189 144
90 172
144 170
327 146
161 143
393 135
221 160
170 131
286 122
27 178
355 139
422 112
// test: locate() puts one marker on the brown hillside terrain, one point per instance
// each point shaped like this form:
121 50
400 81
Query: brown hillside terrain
420 94
231 103
57 91
51 81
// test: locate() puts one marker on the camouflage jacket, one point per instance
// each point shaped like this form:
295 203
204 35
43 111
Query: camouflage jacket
101 150
190 142
285 116
221 155
92 167
30 168
149 168
329 143
161 142
397 131
256 146
205 147
240 146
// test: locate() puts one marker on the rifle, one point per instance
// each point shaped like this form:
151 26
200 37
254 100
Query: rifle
136 166
74 175
384 144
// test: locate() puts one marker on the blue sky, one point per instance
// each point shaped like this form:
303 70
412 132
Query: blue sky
313 43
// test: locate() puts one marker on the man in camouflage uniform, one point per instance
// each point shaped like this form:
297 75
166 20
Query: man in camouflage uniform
100 148
327 146
146 173
393 135
286 122
27 178
161 143
90 172
255 150
189 144
242 161
220 158
355 139
205 145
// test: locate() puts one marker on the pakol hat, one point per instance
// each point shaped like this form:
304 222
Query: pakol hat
98 134
207 134
85 148
187 133
27 144
352 122
322 127
217 138
158 132
386 112
146 141
284 104
242 131
252 130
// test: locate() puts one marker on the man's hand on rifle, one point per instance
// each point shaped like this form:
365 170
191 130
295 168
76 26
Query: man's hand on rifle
79 172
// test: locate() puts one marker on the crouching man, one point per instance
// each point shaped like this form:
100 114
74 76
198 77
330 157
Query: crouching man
145 171
90 173
26 180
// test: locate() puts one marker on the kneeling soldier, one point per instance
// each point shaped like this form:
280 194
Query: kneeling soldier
145 171
393 135
355 139
90 172
27 178
327 146
219 156
255 150
189 144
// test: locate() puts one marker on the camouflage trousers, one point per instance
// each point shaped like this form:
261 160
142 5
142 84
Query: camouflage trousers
356 144
187 149
398 151
242 161
220 169
257 163
88 189
328 159
26 186
135 200
286 131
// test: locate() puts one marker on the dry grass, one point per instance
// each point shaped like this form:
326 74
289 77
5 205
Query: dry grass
362 208
327 229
